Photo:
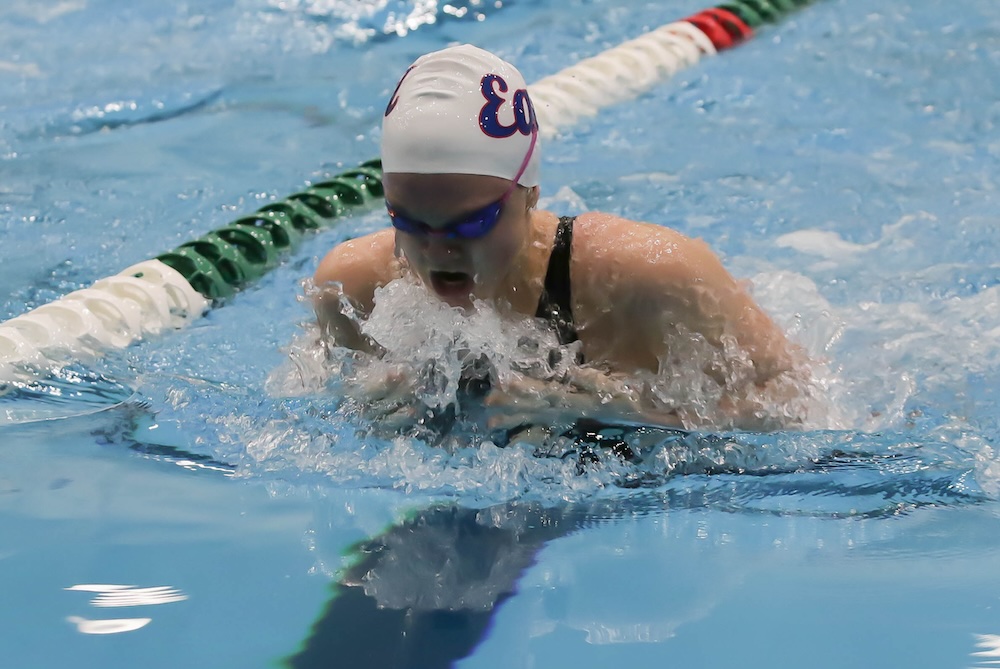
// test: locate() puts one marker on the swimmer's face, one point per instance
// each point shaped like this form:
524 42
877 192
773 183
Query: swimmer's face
457 268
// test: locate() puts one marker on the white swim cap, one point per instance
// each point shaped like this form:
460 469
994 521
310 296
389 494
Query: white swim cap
461 110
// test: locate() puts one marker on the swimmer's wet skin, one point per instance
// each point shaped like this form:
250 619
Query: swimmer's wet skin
460 154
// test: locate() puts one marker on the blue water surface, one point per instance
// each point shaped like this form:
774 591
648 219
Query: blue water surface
166 506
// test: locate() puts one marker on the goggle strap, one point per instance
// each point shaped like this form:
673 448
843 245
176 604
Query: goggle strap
524 163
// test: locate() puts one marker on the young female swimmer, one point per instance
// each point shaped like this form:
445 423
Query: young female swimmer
460 155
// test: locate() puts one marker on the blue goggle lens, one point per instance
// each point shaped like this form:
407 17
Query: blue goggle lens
475 225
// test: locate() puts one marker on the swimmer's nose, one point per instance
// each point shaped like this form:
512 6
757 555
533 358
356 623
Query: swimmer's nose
441 246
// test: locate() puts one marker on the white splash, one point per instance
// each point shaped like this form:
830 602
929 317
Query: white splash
823 243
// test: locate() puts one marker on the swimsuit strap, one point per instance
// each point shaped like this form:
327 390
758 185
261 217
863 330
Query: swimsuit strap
555 304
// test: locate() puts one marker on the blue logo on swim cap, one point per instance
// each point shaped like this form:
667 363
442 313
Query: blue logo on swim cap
394 100
524 111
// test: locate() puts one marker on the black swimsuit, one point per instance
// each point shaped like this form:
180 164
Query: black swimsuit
555 304
587 437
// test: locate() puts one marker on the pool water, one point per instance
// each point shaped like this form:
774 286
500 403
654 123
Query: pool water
205 499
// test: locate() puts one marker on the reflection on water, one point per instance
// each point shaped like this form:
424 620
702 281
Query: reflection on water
112 595
989 645
115 626
423 593
127 595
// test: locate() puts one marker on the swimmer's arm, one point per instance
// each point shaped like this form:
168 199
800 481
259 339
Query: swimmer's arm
647 279
334 313
690 286
346 280
698 292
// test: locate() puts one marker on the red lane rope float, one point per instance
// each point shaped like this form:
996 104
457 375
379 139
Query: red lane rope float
722 27
732 23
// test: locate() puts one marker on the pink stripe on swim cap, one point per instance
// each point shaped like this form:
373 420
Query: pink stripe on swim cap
462 110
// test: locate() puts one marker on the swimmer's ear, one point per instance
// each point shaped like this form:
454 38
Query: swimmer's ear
533 197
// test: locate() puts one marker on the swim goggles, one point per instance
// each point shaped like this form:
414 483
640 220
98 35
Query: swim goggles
475 225
472 226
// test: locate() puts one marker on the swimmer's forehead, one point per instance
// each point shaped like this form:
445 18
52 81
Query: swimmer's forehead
449 194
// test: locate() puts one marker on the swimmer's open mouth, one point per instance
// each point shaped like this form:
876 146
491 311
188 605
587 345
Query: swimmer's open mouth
452 284
450 277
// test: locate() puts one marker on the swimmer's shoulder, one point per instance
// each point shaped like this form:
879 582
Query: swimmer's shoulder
618 253
360 266
650 274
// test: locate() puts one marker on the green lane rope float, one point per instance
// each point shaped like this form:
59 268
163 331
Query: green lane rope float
176 287
222 261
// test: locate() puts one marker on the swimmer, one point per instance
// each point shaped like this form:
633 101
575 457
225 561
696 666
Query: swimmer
460 154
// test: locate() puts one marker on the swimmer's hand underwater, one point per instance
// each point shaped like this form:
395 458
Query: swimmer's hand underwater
390 396
584 392
388 393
